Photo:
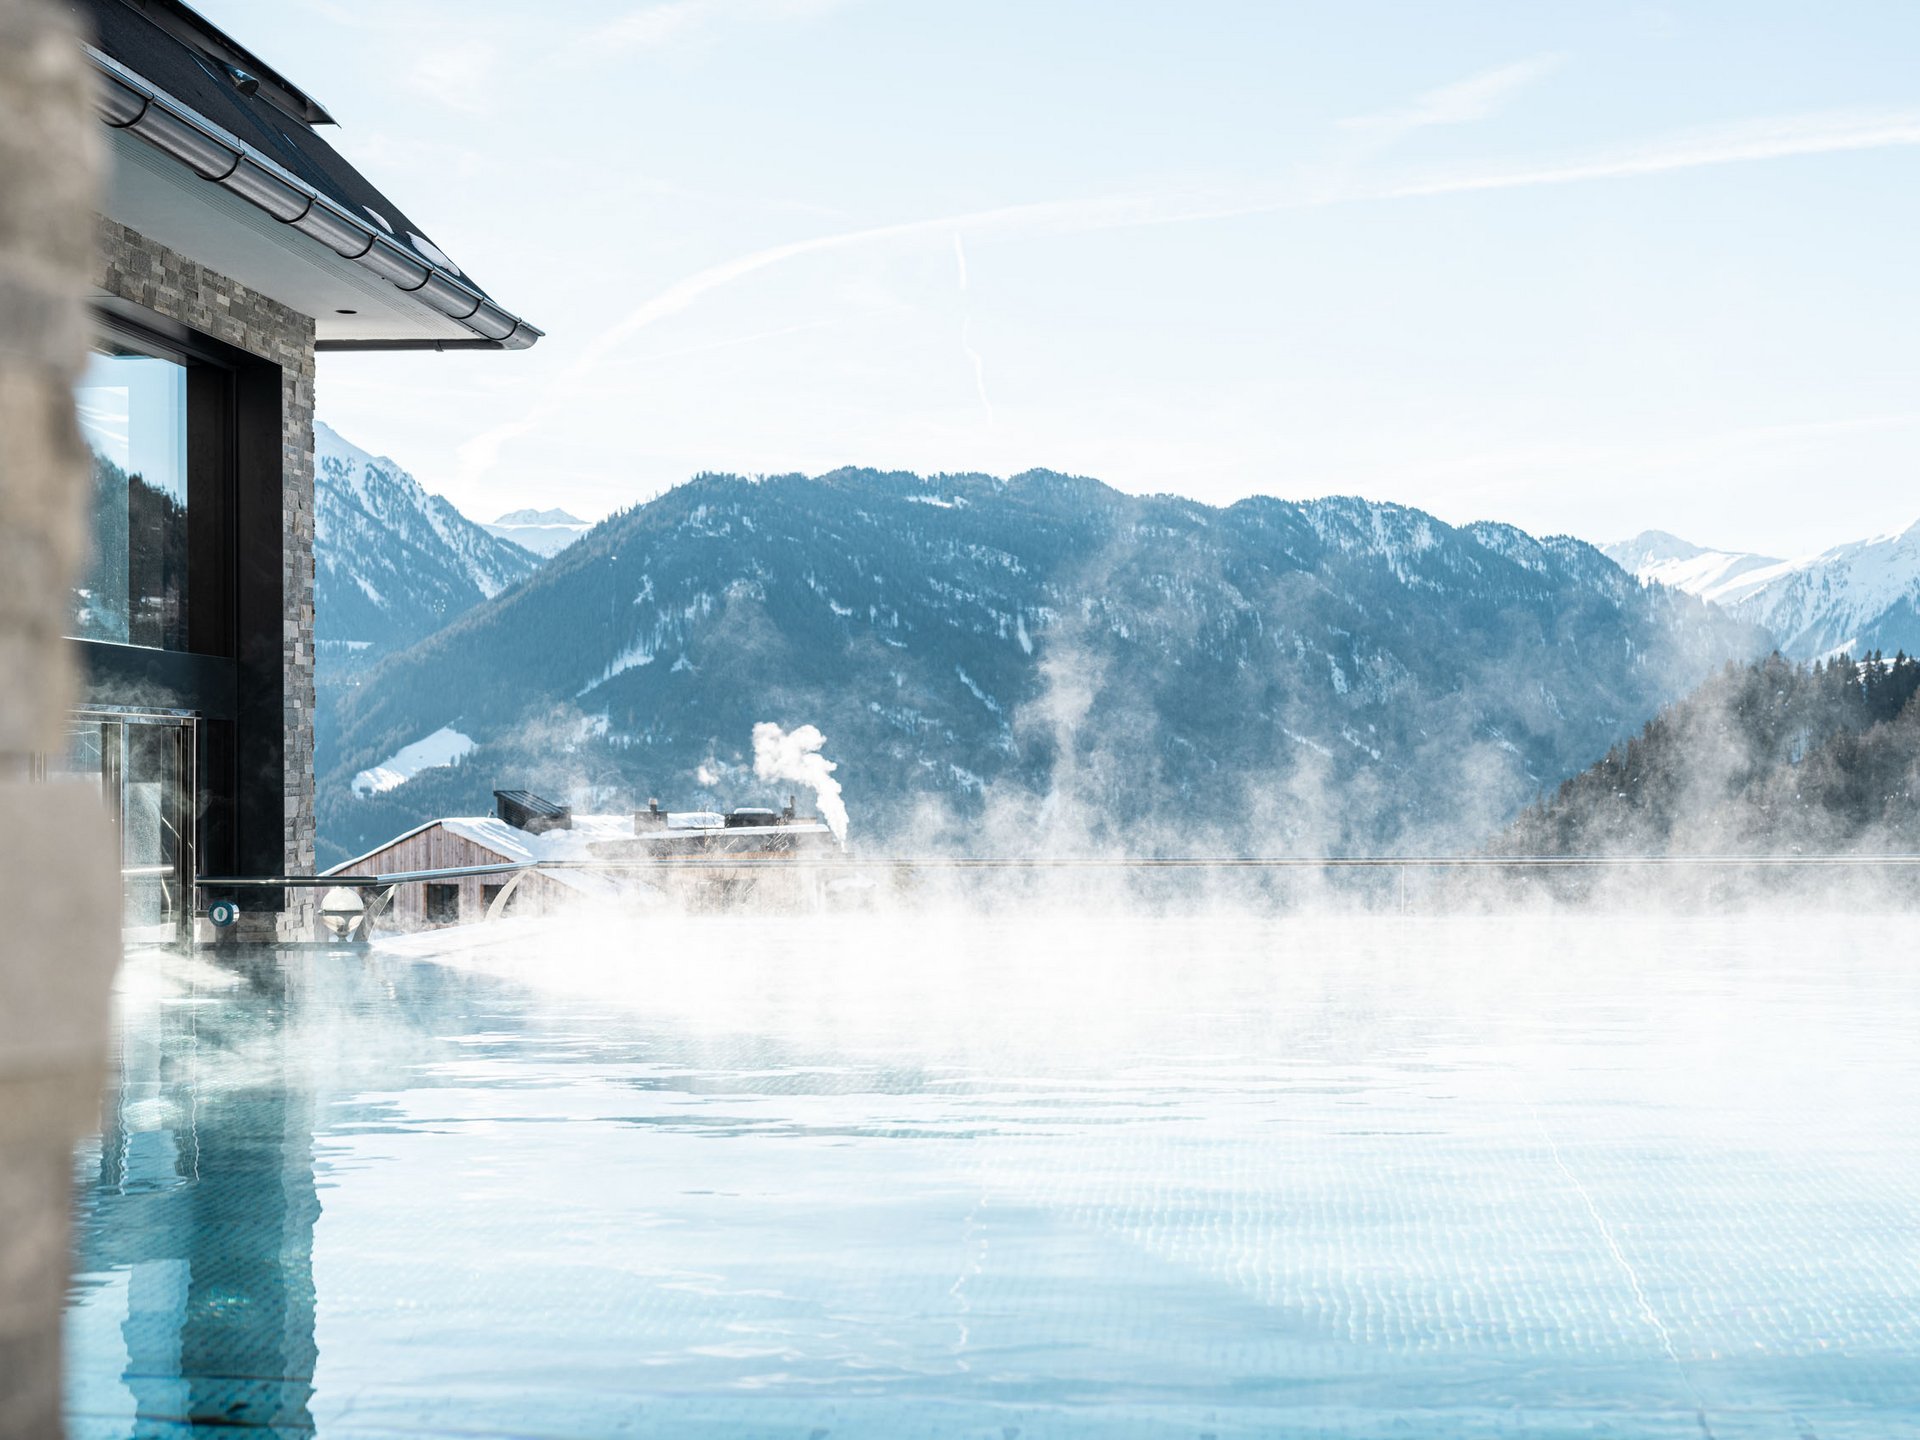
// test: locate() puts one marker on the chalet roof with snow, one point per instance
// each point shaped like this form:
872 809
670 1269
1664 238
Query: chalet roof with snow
591 837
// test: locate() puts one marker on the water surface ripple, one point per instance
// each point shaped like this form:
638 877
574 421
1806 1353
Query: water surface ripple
1014 1179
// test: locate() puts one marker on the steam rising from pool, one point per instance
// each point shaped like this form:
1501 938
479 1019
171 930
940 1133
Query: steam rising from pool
1065 1170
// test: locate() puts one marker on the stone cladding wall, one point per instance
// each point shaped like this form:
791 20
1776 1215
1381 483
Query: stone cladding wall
142 271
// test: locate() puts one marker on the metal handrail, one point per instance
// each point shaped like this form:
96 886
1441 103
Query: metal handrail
352 882
385 887
1071 862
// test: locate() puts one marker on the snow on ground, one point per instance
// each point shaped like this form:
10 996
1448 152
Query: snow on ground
641 652
445 746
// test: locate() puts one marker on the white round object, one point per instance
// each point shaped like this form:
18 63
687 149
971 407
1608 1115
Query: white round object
432 253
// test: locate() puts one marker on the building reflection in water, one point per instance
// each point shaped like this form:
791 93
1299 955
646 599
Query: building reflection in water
205 1198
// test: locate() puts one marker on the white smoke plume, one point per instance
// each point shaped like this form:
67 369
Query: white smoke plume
795 755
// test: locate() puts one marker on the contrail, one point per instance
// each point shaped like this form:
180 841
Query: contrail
966 326
477 456
1747 142
1834 133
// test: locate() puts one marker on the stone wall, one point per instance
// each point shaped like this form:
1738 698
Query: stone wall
148 274
61 943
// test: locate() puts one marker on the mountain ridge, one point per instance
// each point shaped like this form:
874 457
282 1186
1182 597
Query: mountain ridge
1042 658
1775 757
1860 596
393 562
530 516
545 532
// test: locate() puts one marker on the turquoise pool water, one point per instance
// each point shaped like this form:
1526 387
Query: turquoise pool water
1014 1180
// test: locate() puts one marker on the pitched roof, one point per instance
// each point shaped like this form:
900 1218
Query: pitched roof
168 78
517 847
195 31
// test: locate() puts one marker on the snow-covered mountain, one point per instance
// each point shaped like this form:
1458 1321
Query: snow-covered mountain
1044 656
545 532
1722 576
1855 597
393 563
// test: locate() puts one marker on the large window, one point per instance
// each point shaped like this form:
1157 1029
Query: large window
133 412
181 611
443 904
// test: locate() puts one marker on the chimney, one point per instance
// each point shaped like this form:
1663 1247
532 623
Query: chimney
651 818
526 811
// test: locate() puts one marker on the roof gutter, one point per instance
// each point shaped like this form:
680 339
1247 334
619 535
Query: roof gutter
326 346
126 102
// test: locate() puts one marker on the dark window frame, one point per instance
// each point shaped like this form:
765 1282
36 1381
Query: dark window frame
233 673
440 902
213 423
144 557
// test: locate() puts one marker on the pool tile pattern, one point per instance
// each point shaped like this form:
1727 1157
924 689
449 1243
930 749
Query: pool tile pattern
1352 1179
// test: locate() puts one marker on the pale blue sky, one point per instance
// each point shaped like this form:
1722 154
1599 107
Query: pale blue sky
1583 267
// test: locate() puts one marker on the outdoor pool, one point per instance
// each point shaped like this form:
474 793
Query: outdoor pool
880 1178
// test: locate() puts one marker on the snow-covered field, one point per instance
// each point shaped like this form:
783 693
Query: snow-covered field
445 746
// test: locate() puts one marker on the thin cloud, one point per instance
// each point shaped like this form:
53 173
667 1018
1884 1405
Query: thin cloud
1828 133
478 455
672 22
1746 142
459 76
1492 481
731 342
656 25
1477 97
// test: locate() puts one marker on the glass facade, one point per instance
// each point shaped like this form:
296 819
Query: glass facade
141 767
133 412
180 722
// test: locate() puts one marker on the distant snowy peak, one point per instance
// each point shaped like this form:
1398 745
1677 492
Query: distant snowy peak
1656 547
1864 595
1860 596
393 562
1723 576
545 532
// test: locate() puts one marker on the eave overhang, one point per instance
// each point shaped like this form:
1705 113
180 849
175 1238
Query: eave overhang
278 234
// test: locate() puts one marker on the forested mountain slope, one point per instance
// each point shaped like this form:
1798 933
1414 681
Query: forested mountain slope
393 563
1041 661
1768 758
